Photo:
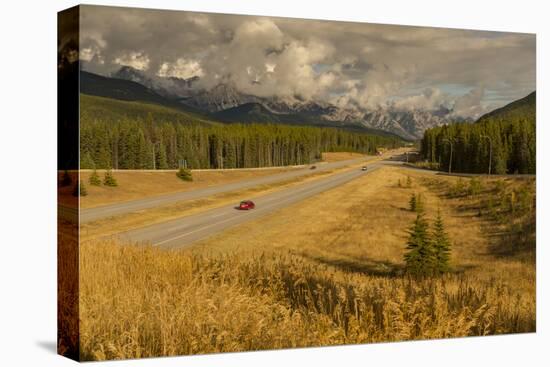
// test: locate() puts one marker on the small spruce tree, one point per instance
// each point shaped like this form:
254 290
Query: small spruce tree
109 179
185 174
409 181
412 202
419 258
94 179
441 245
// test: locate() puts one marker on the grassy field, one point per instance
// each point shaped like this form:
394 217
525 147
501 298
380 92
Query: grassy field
328 271
339 156
136 185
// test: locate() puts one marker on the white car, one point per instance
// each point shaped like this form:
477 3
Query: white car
364 168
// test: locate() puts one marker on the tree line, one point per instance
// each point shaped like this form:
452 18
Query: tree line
145 144
501 145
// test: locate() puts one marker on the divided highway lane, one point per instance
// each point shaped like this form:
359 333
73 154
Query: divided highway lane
184 231
105 211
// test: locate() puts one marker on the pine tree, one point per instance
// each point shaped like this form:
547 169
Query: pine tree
133 143
161 159
412 202
94 179
409 181
419 257
86 161
441 245
109 179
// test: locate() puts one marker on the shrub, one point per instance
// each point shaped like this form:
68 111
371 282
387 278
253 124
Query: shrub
185 174
94 179
409 181
109 179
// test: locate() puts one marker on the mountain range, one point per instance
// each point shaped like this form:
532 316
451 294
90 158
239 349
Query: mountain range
225 103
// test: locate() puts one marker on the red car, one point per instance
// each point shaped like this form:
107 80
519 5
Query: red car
247 205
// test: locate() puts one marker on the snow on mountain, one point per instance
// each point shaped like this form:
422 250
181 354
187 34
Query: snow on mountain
407 123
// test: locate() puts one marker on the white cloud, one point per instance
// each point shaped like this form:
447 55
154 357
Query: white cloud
136 59
181 68
470 104
351 64
429 99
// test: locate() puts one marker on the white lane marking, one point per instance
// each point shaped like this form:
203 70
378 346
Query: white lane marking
217 215
263 209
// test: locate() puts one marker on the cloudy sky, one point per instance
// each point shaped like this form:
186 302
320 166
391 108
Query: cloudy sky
355 65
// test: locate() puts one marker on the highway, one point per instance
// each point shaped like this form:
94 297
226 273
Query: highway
106 211
186 230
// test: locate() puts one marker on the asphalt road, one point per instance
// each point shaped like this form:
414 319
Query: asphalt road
106 211
184 231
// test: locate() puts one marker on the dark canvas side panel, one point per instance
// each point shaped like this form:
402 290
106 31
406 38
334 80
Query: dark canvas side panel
67 175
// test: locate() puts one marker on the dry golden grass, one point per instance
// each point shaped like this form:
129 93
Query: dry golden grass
340 156
137 185
327 271
110 226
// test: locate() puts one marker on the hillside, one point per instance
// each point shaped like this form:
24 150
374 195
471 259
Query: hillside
127 90
108 109
502 142
524 108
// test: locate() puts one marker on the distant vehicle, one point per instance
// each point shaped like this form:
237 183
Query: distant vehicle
312 167
364 168
247 205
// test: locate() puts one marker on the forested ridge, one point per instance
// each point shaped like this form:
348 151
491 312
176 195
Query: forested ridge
503 140
147 138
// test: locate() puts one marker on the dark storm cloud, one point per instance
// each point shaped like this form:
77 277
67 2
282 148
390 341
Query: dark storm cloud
350 64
